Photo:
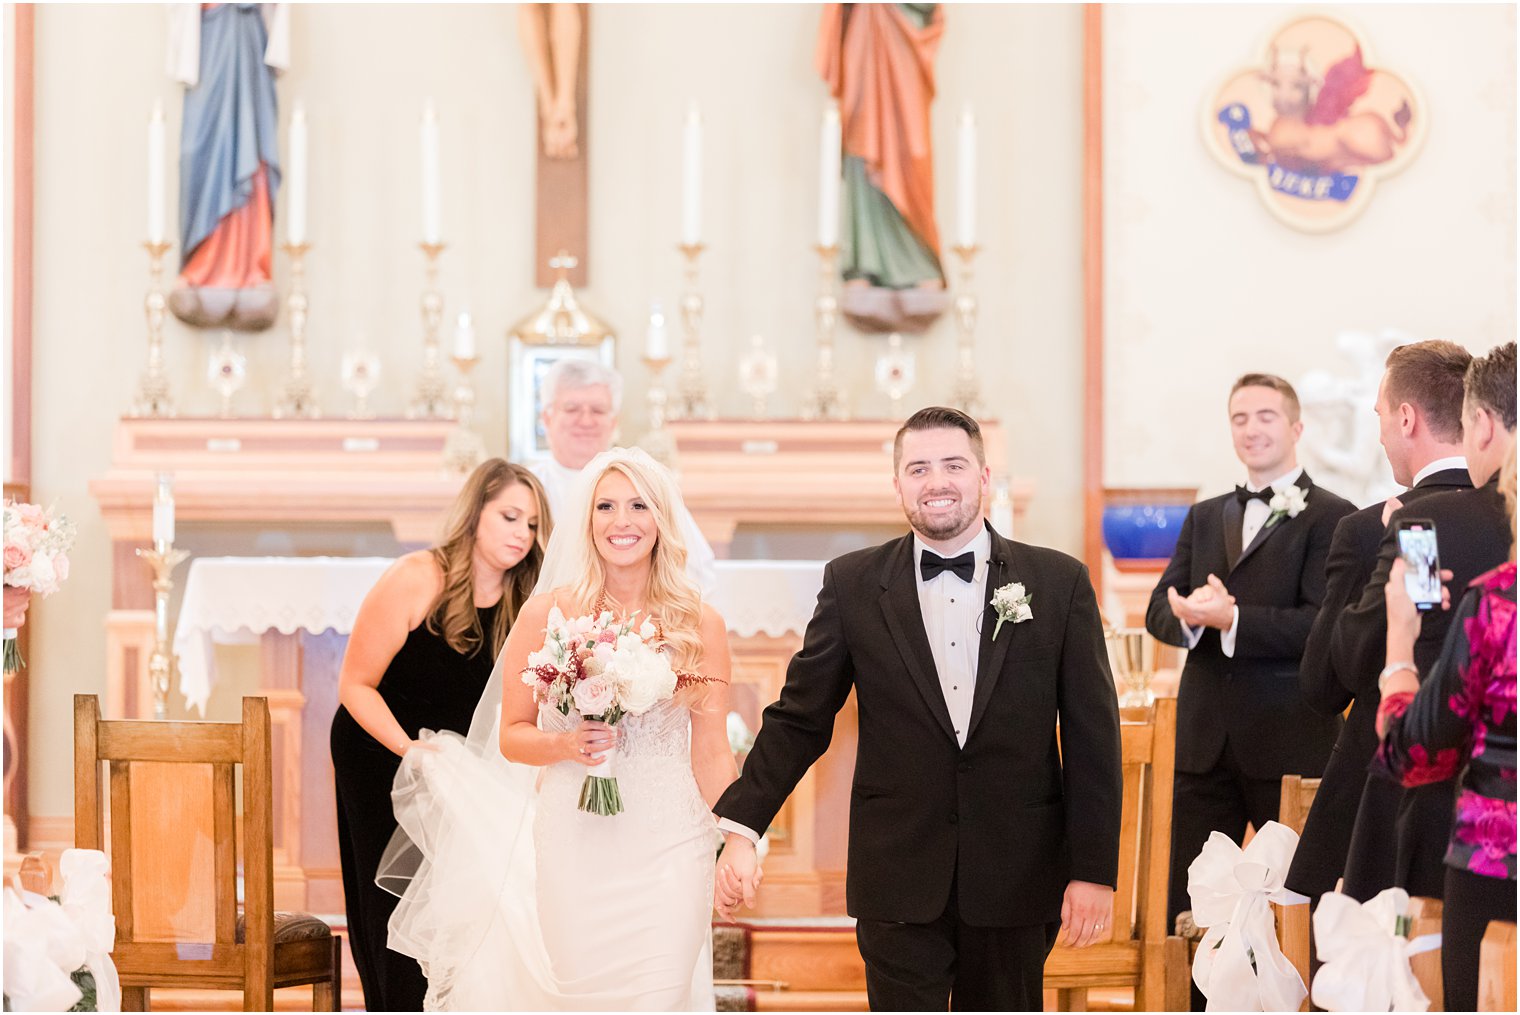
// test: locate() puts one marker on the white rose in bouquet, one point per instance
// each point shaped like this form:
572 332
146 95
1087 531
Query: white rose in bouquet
644 676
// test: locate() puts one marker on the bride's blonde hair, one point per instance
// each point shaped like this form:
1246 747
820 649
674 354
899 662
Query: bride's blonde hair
671 598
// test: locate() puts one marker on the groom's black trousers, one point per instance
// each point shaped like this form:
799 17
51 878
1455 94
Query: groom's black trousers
927 966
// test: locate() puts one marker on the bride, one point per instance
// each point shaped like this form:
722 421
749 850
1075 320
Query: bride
512 897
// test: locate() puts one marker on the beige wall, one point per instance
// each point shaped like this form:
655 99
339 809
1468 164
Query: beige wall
363 72
1204 284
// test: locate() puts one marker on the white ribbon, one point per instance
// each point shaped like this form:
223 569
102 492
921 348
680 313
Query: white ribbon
1239 965
1366 962
46 941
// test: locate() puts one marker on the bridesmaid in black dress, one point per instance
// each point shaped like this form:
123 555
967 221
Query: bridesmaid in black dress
423 646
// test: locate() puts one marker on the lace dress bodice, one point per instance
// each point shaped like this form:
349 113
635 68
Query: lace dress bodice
652 764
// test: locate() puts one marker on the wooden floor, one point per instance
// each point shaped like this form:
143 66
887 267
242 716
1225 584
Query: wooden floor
794 967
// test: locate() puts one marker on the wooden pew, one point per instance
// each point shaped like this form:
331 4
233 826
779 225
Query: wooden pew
1293 921
1496 968
1425 918
1137 952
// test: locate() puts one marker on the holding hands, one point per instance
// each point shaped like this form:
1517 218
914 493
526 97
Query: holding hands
738 876
1208 605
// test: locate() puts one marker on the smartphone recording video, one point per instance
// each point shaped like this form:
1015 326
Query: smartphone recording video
1422 565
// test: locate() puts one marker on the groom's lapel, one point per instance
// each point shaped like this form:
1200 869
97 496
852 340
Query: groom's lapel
992 651
905 622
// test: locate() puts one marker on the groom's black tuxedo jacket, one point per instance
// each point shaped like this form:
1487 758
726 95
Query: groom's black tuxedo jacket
1321 855
1011 817
1278 583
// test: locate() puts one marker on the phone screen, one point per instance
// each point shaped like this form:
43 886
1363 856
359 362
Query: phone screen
1422 566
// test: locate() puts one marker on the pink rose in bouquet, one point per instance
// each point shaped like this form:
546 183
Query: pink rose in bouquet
37 544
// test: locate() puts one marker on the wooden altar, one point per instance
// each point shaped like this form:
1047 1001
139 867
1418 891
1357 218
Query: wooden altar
792 471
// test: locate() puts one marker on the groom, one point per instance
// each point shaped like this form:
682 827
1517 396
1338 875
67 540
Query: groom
977 832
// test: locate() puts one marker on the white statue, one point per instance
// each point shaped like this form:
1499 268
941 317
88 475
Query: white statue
1340 446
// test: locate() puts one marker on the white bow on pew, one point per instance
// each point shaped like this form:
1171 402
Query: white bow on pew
1366 952
1239 965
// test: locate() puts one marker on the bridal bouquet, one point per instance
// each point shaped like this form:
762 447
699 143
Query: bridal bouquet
37 546
606 669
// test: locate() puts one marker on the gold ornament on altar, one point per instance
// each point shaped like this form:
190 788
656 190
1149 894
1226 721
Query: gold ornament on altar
1132 653
561 321
758 372
896 370
227 370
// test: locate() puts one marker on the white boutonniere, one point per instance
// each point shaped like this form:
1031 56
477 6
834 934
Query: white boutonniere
1012 604
1288 503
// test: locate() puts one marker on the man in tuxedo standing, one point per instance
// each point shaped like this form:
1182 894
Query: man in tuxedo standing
1240 593
1410 827
1419 410
979 828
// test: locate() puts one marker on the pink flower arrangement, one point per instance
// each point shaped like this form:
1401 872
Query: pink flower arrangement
37 544
605 669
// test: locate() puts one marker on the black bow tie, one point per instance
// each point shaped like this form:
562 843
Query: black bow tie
1246 496
931 564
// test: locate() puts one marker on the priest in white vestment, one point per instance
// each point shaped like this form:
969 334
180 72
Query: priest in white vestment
582 399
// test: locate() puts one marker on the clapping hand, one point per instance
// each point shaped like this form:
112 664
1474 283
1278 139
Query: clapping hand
1208 605
738 876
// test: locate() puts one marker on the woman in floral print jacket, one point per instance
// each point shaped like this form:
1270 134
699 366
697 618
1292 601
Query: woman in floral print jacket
1460 721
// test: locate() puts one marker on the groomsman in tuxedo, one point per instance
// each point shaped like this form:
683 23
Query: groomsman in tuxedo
978 827
582 398
1419 409
1241 593
1400 835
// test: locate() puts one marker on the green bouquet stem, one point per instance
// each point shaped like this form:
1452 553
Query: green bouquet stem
600 796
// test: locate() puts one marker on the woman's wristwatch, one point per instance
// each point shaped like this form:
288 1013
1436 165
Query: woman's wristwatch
1390 670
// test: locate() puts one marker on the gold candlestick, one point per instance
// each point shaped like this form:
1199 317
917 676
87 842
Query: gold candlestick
163 558
297 398
153 387
692 401
430 400
826 400
967 395
657 441
463 449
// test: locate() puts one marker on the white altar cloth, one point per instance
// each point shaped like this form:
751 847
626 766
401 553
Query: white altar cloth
231 599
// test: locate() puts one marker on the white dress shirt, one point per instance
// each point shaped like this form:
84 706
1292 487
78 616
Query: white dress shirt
1253 518
701 563
951 609
1440 465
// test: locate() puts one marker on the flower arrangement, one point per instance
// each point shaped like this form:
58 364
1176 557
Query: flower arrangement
37 544
605 669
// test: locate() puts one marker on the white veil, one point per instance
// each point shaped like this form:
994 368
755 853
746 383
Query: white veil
462 857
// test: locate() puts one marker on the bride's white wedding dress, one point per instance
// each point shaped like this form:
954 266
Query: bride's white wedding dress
518 900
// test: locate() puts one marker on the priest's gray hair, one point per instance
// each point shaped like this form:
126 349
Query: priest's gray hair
572 373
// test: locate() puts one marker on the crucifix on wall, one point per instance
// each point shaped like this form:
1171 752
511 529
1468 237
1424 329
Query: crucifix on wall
554 40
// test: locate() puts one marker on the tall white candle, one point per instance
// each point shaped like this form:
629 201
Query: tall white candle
163 511
829 152
295 177
965 190
691 165
156 174
464 337
656 341
432 199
